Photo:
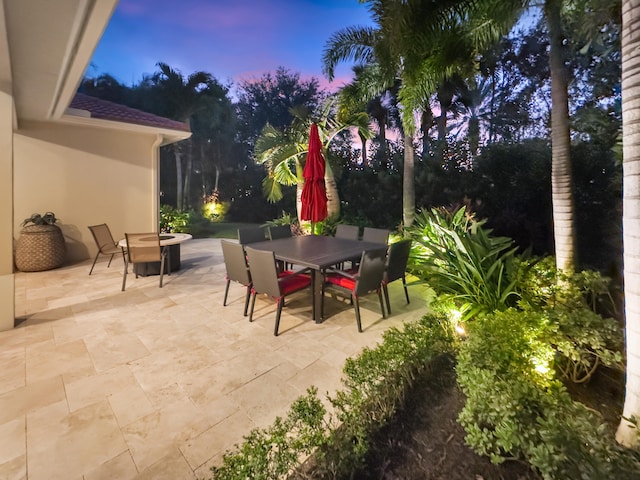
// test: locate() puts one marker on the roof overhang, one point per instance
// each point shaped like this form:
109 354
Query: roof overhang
50 44
83 118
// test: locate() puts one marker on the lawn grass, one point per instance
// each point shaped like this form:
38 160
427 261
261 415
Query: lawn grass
219 230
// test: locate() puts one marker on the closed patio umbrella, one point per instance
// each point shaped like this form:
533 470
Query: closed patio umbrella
314 196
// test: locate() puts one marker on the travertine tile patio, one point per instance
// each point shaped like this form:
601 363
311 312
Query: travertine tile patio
157 383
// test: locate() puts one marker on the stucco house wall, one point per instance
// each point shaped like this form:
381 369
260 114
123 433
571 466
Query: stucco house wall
87 160
86 176
7 281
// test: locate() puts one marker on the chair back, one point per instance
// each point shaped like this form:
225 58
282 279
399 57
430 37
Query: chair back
371 271
264 272
351 232
235 261
279 231
102 236
397 260
251 235
375 235
143 247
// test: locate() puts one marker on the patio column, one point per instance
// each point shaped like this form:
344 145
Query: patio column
7 281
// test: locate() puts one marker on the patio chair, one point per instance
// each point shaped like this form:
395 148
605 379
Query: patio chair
251 235
105 243
375 235
358 283
279 231
235 261
396 268
347 231
144 248
350 232
266 279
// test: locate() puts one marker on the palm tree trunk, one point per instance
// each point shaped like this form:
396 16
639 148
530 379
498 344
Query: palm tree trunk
408 185
299 188
561 187
363 139
178 156
631 213
186 192
383 149
426 121
441 142
333 199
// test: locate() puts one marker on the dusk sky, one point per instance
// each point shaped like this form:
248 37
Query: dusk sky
231 39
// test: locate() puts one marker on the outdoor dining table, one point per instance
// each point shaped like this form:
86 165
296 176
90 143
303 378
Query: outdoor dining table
171 241
318 253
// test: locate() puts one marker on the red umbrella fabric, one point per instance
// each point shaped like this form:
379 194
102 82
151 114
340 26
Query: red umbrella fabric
314 196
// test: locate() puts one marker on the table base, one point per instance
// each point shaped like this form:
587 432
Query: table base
153 268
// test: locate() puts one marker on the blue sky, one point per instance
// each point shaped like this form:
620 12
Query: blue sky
231 39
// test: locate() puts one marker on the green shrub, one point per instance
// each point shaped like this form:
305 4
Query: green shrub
582 337
517 408
463 262
271 453
375 384
172 220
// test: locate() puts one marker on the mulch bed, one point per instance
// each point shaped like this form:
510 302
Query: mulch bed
425 441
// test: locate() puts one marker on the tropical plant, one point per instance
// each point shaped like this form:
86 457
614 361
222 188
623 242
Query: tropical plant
282 151
463 262
49 218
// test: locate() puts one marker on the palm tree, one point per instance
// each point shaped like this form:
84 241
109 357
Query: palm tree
357 96
183 96
561 183
366 45
282 151
631 214
416 44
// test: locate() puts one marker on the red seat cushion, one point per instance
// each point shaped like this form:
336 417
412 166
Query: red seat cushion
290 283
341 281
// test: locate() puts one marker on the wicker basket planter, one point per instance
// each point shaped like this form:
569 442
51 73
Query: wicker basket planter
40 247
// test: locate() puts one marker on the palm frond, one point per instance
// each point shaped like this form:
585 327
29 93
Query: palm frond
349 44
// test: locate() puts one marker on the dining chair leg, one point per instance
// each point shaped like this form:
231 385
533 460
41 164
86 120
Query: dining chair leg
253 303
356 305
162 259
381 305
124 276
278 313
406 292
110 258
94 262
226 292
386 297
246 300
